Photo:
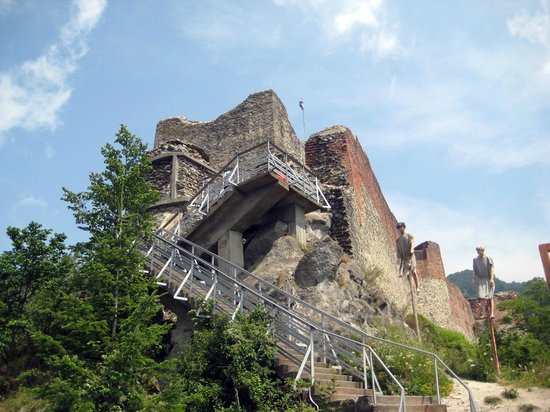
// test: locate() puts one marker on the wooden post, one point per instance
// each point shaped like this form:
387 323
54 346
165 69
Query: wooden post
544 250
413 300
494 343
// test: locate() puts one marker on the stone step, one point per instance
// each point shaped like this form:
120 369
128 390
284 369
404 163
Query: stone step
409 408
390 403
319 370
350 393
409 399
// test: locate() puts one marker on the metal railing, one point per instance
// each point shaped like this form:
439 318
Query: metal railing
304 332
255 162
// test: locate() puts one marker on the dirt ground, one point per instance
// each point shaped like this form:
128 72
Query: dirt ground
457 401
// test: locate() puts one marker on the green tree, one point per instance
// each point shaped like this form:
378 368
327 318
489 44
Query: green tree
524 341
37 262
229 366
99 340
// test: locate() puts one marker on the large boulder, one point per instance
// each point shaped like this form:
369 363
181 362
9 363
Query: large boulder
279 264
319 264
262 242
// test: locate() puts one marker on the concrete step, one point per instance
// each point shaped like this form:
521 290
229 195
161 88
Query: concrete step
410 400
350 392
409 408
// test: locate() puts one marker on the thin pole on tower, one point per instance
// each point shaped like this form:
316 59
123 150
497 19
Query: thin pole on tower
303 116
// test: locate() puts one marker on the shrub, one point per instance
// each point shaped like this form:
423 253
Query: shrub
415 371
492 400
229 365
463 357
527 407
511 393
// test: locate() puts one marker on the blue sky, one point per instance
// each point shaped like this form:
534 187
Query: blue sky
450 100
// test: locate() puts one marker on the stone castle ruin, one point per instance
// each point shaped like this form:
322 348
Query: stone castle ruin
331 244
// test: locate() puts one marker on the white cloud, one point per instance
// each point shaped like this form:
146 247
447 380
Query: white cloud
535 28
32 94
475 119
532 27
506 154
514 248
347 20
32 201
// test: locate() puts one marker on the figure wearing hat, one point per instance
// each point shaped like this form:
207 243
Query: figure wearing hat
405 254
484 273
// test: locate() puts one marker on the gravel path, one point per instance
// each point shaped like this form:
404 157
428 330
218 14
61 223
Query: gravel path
457 401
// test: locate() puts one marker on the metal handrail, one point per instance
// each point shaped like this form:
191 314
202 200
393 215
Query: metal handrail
258 160
260 292
297 318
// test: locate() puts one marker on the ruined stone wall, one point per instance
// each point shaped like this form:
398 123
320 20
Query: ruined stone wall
462 314
428 261
440 300
190 177
261 117
364 226
362 222
190 163
159 177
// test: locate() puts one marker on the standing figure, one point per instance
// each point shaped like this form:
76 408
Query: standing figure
484 273
405 254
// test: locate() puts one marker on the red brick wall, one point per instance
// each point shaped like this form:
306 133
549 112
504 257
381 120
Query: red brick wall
336 156
428 261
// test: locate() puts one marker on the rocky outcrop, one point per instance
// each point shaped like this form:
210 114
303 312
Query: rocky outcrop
321 274
260 118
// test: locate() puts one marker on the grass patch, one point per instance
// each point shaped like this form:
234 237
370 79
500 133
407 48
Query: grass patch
511 393
492 400
23 400
527 407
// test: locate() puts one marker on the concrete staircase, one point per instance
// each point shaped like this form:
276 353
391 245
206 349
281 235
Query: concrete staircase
344 393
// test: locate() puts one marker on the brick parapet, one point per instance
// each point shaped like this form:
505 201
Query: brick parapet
428 261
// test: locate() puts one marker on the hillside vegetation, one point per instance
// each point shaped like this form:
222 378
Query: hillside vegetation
464 281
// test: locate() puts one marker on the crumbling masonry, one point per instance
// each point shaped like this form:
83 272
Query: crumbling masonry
362 224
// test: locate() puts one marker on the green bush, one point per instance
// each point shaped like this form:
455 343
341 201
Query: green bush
492 400
415 371
527 407
511 393
23 400
524 339
229 366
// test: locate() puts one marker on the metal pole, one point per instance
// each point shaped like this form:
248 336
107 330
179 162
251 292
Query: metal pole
437 381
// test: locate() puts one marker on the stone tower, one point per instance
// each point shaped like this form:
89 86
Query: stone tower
260 118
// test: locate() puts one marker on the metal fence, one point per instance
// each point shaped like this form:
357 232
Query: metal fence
255 162
303 331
